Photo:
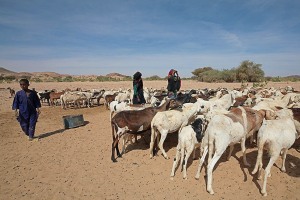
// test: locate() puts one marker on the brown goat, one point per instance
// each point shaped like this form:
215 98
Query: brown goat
12 92
135 122
55 96
109 98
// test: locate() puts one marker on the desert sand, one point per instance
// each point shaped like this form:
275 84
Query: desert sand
75 163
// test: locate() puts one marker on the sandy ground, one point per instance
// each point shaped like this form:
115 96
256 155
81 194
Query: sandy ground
75 163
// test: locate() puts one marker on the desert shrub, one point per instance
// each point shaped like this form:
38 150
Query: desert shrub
152 78
57 79
103 78
10 78
127 78
36 80
68 79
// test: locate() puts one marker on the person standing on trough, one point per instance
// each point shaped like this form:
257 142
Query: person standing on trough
138 91
174 83
27 105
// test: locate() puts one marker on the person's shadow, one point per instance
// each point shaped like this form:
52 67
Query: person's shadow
44 135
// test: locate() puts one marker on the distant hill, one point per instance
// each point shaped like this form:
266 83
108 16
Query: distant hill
49 74
293 76
116 76
8 75
53 76
4 71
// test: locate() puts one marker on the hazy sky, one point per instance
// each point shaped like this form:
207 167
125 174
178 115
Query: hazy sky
151 36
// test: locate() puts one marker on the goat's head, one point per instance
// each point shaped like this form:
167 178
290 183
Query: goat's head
267 114
173 103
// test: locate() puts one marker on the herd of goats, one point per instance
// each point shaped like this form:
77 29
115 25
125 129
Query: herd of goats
212 120
209 119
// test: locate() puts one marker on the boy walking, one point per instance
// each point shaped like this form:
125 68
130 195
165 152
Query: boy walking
26 105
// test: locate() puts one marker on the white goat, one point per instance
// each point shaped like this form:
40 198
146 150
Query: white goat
168 122
115 106
271 104
225 102
277 136
188 138
226 130
153 101
147 95
123 96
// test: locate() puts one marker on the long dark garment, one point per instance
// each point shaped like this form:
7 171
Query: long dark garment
27 110
138 95
174 84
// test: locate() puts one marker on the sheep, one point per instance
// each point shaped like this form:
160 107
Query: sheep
226 130
277 136
169 122
188 138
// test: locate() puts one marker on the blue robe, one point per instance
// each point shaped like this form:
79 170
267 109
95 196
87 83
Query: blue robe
27 110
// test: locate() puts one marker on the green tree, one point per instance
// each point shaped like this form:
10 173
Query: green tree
229 75
249 71
211 76
200 72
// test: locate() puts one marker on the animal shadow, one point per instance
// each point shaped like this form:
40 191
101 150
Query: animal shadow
292 163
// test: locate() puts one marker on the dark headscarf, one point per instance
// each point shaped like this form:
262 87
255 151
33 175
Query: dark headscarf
137 76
